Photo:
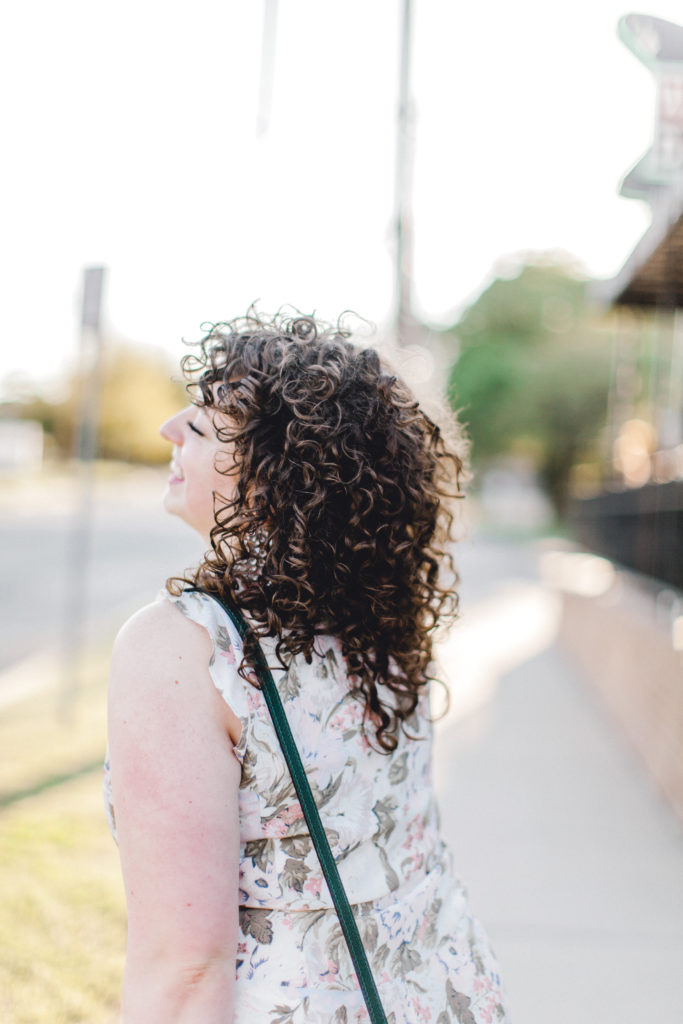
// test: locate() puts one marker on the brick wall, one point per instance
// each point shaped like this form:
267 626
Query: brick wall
626 649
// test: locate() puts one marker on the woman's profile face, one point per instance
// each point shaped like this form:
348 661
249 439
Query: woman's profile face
196 464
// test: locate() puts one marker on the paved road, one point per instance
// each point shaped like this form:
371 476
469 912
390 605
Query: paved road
133 546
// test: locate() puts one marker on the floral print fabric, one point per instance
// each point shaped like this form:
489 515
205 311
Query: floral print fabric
430 958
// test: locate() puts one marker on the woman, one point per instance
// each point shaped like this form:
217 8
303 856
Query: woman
322 491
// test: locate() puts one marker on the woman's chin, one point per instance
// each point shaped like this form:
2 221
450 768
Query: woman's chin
170 502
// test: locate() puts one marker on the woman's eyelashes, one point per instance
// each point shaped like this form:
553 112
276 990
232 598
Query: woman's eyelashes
195 429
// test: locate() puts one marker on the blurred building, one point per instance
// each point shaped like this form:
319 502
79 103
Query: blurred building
21 447
627 627
637 518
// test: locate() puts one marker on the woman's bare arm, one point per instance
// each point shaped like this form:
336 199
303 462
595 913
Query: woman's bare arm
175 783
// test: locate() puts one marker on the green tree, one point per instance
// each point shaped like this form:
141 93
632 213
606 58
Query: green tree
140 388
533 372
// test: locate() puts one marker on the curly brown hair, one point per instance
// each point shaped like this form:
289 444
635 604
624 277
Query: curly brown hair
341 516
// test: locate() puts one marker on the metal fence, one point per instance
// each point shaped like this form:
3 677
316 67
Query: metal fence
639 528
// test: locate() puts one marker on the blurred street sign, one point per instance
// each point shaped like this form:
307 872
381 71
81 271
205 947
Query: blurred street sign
93 280
658 45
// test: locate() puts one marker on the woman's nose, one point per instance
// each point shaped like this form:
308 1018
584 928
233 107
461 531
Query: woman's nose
171 429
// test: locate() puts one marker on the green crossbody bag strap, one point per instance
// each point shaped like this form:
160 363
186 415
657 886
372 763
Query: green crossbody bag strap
315 825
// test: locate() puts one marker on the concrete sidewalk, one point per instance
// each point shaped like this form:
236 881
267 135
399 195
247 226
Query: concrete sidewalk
572 858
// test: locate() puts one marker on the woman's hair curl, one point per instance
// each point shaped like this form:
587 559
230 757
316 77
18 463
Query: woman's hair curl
340 518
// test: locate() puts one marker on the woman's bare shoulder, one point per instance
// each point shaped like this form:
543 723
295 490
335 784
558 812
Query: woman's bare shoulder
156 637
160 651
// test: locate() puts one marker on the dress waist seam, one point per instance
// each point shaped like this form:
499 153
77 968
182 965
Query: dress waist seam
438 871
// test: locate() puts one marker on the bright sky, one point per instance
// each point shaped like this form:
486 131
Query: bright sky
130 140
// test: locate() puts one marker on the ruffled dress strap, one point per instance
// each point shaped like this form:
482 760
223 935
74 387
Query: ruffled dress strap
226 655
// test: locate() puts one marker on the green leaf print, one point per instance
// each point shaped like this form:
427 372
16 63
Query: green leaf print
260 851
474 950
297 846
294 874
290 686
389 873
367 926
285 1014
248 765
222 638
431 935
383 811
405 959
380 957
282 793
399 770
459 1004
336 948
255 921
330 789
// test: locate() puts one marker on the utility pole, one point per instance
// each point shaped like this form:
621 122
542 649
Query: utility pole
404 166
84 452
265 98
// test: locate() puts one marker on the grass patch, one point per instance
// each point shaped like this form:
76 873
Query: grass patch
62 910
44 739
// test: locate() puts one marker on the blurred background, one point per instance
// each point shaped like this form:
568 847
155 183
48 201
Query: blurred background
499 190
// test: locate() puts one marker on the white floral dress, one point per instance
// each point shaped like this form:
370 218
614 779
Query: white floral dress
430 957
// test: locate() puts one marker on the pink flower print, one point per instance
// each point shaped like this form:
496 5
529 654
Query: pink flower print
336 722
415 831
276 828
344 719
421 1012
353 714
253 699
229 656
314 885
477 985
292 813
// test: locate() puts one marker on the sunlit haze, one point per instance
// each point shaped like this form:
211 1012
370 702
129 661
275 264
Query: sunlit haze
130 141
